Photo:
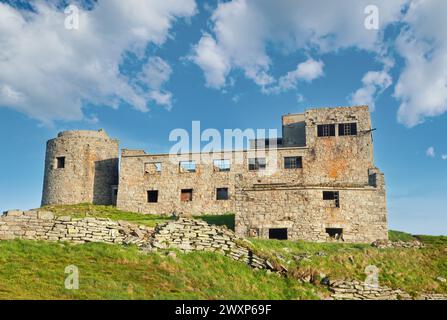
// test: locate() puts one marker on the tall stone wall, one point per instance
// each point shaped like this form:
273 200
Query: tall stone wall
338 160
303 212
276 197
90 168
136 180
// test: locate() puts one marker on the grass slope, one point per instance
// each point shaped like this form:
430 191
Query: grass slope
35 270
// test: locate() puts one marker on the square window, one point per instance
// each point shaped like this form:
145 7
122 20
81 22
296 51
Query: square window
347 129
255 164
332 195
187 166
152 167
186 195
278 234
293 162
222 194
326 130
152 196
60 162
222 165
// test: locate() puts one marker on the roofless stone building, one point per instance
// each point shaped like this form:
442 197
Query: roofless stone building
319 183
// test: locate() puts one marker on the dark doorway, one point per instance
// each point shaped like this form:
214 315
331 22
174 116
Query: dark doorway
278 234
335 233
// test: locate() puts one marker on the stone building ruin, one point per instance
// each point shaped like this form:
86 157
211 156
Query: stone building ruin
320 182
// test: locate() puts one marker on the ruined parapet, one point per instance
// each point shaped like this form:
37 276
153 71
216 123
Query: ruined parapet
80 166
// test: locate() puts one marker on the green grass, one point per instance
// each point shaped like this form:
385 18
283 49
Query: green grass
413 270
400 236
35 270
84 210
433 240
219 220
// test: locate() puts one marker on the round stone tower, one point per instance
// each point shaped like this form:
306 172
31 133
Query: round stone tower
80 167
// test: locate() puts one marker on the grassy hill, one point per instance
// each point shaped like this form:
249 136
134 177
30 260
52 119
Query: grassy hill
35 270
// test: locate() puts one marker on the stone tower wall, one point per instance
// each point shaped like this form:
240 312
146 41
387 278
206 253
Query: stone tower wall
89 171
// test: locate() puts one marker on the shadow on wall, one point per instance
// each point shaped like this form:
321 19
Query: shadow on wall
106 176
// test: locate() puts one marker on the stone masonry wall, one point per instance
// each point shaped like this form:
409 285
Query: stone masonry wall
342 164
275 197
195 235
90 169
137 177
183 234
303 212
44 225
356 290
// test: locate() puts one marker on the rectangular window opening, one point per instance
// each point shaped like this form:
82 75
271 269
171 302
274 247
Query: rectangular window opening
335 233
278 233
222 194
60 162
347 129
332 195
255 164
187 166
152 167
186 195
326 130
293 162
222 165
152 196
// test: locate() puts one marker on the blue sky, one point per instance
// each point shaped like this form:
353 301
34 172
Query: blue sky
140 69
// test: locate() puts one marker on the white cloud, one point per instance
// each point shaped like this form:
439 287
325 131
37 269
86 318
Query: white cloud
154 74
242 30
48 71
306 71
213 62
422 85
374 83
431 152
444 157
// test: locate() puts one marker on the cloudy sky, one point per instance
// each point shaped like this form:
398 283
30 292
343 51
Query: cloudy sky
141 68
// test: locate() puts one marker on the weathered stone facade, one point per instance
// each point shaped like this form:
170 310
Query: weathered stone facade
319 184
80 166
